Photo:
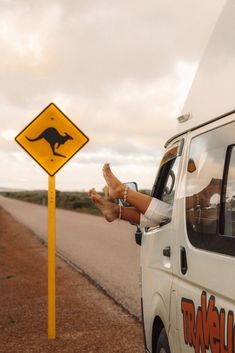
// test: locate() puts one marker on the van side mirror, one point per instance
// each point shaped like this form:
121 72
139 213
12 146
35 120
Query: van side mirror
131 185
138 234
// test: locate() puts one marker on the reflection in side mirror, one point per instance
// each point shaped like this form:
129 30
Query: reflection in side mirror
131 185
169 185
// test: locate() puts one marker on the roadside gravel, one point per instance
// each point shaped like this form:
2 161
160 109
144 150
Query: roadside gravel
87 320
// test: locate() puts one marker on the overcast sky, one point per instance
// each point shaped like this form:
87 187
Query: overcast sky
119 69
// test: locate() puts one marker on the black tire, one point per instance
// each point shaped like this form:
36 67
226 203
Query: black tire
163 344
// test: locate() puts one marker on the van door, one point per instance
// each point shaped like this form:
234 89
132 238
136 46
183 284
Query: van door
157 251
204 273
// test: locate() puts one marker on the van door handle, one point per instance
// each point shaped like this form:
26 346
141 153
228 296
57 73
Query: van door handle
183 260
167 251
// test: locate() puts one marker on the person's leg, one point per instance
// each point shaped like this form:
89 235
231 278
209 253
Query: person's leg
111 211
116 190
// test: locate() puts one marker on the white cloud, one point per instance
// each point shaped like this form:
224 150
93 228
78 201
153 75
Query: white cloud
8 135
119 70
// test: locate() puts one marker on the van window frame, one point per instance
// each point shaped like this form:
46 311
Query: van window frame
224 190
227 164
173 151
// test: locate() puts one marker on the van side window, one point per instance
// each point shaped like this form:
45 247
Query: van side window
164 188
210 191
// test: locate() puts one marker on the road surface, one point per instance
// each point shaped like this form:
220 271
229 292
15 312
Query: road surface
106 252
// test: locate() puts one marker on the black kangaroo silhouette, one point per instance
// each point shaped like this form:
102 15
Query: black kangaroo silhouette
53 137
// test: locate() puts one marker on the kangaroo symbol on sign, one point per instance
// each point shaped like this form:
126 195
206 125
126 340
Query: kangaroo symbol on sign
53 137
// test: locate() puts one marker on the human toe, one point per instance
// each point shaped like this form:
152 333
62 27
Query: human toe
106 167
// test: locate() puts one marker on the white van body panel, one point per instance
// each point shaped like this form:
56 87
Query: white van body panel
212 91
197 307
209 274
156 278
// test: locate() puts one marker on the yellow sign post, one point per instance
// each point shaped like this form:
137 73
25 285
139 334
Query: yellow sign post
51 139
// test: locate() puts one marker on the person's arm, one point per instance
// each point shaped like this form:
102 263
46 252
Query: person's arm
152 208
140 201
130 214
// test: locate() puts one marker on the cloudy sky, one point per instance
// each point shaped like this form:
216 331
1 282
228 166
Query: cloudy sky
119 69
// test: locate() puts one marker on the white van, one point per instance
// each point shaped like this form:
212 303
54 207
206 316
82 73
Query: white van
188 264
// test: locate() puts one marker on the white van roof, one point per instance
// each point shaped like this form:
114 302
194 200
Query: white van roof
212 94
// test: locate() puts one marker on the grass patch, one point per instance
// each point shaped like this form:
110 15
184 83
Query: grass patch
70 200
76 201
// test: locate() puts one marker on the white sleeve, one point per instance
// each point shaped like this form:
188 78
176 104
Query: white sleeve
145 222
158 211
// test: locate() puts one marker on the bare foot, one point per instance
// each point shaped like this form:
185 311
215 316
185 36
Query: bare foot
109 210
116 188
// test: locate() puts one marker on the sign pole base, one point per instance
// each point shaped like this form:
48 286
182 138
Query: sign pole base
51 258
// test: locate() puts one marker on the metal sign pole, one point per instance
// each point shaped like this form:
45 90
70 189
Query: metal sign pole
51 257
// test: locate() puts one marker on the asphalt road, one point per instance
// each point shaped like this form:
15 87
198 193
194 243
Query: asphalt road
106 252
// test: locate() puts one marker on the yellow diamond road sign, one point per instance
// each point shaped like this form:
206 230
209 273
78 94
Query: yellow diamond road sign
51 139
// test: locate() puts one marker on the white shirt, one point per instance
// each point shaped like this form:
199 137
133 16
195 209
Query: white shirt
157 212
